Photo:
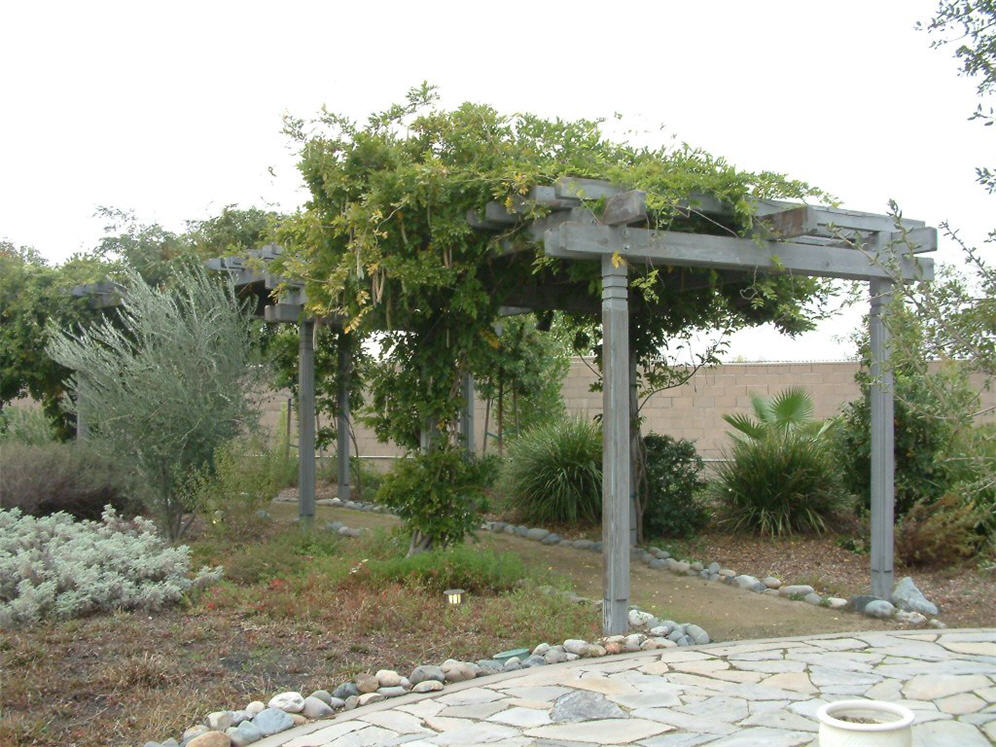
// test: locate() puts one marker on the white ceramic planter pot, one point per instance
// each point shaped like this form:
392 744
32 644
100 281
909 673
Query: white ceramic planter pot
865 723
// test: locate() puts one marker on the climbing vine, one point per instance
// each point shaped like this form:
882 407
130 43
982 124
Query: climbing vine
384 241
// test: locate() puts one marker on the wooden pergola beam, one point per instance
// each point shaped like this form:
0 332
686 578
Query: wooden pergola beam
575 241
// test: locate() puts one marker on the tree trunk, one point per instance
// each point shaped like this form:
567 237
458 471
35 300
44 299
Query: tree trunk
419 543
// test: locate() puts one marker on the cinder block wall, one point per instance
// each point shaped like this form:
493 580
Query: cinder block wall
694 410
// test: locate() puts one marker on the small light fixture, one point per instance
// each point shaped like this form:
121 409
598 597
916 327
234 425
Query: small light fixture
454 596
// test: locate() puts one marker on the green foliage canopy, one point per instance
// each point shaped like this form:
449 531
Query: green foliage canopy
384 240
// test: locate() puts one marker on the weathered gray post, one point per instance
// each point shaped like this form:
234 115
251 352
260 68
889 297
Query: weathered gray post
615 448
342 418
467 414
882 443
82 426
306 421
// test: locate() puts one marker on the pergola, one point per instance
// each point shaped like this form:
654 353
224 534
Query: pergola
789 239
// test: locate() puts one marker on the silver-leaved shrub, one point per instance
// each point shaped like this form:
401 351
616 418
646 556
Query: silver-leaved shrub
55 567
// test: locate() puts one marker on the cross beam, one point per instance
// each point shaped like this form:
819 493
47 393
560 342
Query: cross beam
579 241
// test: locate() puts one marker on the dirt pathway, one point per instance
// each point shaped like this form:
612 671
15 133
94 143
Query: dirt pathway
727 613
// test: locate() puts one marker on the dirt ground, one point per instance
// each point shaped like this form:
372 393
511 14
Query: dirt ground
967 597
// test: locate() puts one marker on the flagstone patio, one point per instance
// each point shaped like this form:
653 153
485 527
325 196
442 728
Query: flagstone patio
742 693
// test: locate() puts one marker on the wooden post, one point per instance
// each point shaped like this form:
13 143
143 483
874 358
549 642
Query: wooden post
82 426
467 415
287 432
632 407
306 421
882 444
615 449
342 418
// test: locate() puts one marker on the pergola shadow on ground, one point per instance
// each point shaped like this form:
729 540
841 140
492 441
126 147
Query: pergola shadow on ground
788 239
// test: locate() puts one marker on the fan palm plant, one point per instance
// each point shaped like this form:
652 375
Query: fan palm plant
788 412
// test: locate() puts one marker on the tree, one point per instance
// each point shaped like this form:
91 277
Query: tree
32 295
165 384
385 242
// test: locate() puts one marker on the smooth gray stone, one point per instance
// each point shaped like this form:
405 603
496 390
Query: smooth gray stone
392 692
795 590
813 598
748 582
262 515
272 720
583 544
658 563
555 655
509 529
907 597
245 733
697 566
170 743
351 702
345 690
584 706
566 543
551 539
497 526
697 634
537 533
860 601
489 666
333 526
880 608
596 546
512 664
427 672
713 568
316 708
534 661
664 555
323 695
522 530
678 566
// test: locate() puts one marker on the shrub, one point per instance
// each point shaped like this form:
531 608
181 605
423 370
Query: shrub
25 425
922 473
247 476
464 566
553 473
438 494
939 534
56 567
46 478
674 477
779 484
164 383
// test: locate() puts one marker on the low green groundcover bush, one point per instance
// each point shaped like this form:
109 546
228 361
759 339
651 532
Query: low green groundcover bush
553 473
781 483
466 566
60 568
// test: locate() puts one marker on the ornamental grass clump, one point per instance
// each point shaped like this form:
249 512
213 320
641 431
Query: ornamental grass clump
54 567
553 473
778 484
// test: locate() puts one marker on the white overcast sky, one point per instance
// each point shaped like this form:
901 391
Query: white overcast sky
174 110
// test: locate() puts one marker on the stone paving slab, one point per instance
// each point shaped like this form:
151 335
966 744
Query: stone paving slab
721 695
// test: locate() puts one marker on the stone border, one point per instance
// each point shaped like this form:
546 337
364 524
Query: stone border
910 609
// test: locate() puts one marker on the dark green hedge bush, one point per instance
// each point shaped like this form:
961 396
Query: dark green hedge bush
674 478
